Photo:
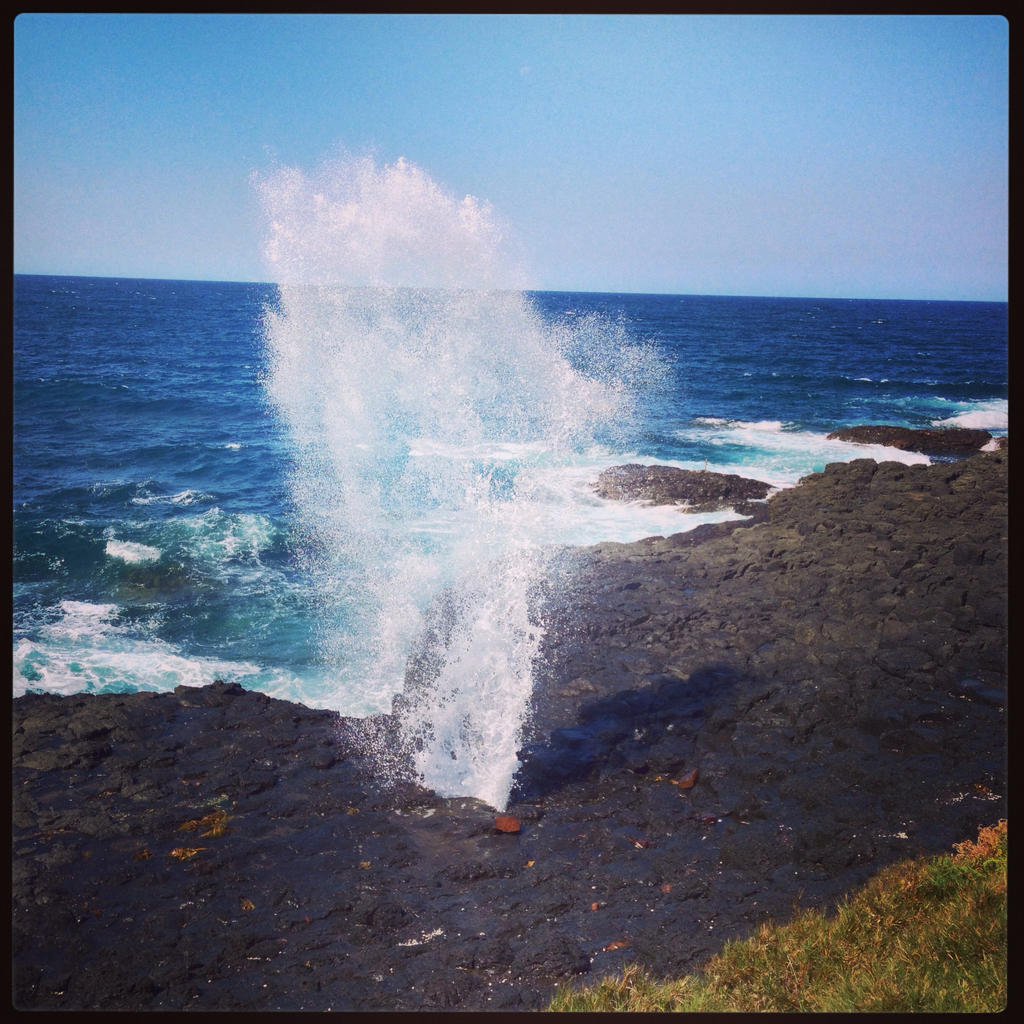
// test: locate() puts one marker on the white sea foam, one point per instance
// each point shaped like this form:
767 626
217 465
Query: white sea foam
566 509
775 453
186 497
130 551
88 649
763 426
988 415
760 426
84 618
218 536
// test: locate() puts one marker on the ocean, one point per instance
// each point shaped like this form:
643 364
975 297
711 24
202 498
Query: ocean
277 484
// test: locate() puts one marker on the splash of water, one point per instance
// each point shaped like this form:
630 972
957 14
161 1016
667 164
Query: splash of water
424 397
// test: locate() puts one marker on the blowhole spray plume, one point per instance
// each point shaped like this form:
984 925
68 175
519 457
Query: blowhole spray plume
426 401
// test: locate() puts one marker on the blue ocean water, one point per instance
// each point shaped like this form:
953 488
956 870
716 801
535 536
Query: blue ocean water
211 481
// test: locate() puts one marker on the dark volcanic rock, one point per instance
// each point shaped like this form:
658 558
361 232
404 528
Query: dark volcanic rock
949 441
834 673
695 490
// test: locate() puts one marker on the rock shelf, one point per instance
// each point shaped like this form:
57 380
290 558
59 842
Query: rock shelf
726 722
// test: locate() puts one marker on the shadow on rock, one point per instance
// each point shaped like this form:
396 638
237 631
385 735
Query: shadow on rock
652 729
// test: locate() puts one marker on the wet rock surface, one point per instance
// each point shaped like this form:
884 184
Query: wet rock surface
724 724
955 442
694 490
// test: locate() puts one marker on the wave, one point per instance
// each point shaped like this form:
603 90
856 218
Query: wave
567 511
185 497
90 649
987 415
777 453
769 426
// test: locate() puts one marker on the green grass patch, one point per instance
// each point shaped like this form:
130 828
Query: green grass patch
927 935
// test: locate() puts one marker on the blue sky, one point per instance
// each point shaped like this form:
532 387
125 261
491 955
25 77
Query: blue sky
758 155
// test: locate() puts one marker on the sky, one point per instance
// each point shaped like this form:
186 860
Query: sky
814 156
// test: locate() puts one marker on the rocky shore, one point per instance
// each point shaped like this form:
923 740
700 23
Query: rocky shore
726 722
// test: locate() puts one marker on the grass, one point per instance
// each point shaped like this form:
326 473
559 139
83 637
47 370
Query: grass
926 935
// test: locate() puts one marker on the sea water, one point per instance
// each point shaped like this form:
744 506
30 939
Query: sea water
360 472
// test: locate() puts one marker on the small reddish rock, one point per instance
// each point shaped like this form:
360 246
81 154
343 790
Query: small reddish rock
506 823
688 781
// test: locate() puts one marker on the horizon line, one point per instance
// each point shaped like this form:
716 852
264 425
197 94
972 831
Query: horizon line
557 291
